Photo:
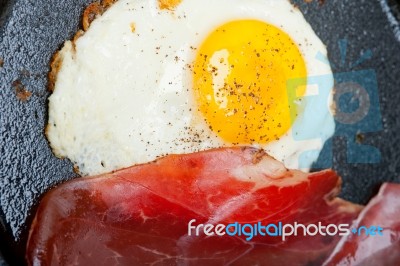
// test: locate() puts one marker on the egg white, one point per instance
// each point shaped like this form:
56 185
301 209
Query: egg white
123 98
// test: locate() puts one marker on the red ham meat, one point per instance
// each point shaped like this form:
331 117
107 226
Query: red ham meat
140 215
383 211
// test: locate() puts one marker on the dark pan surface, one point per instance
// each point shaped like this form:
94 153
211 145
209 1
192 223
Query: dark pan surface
31 31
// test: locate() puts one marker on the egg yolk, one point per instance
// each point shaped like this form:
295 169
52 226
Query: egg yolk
240 79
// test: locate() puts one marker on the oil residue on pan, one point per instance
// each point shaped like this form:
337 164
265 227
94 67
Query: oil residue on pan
32 31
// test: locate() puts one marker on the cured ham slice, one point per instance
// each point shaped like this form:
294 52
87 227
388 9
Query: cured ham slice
140 215
376 249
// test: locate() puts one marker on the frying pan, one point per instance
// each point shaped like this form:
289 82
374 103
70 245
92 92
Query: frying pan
31 31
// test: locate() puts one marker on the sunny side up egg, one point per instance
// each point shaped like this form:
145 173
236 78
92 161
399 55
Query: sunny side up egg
143 82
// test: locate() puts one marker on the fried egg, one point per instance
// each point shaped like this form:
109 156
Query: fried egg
145 81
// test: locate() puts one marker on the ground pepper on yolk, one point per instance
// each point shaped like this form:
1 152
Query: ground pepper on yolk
240 76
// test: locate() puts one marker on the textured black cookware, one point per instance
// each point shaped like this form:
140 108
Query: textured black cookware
31 31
